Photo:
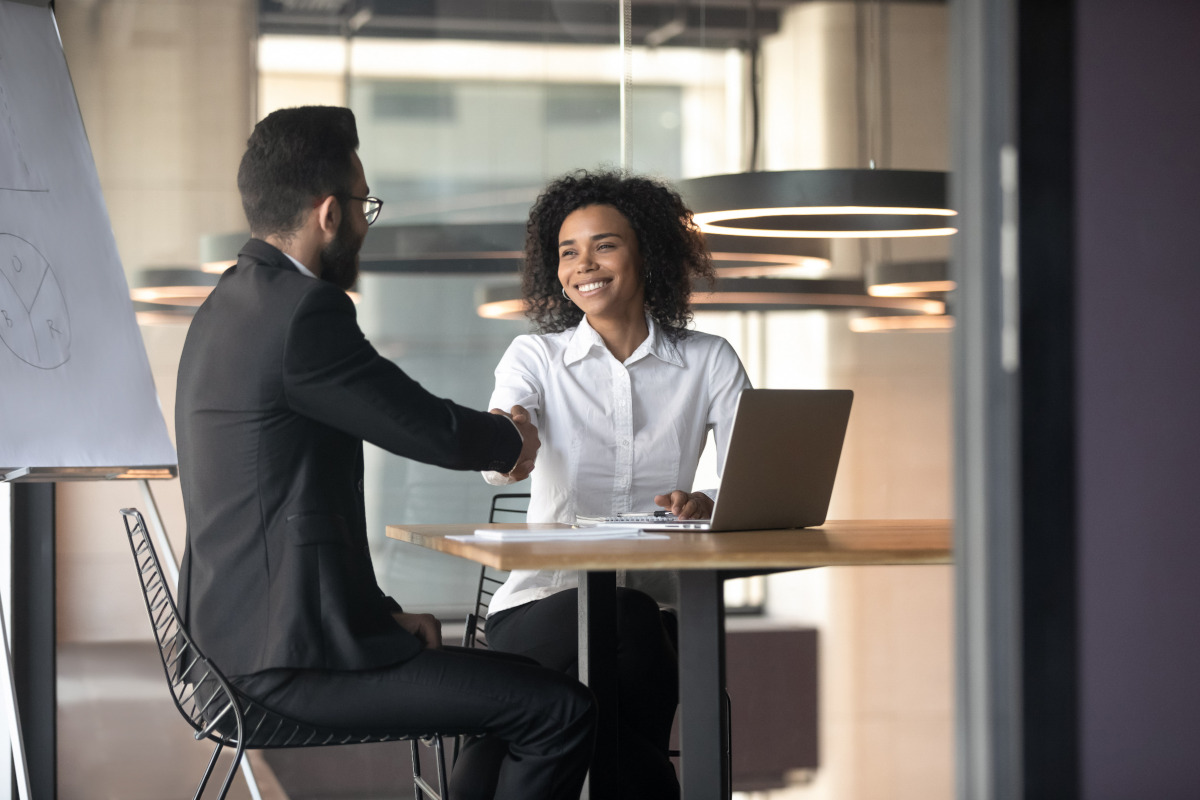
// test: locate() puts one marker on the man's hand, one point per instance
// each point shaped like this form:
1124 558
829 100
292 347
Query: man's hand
530 442
425 627
686 505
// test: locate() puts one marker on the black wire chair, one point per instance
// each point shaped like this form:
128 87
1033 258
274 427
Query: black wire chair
218 711
491 579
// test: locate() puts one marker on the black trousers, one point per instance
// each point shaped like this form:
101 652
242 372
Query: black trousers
546 630
539 723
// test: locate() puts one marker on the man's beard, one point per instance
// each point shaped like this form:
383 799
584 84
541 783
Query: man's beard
339 258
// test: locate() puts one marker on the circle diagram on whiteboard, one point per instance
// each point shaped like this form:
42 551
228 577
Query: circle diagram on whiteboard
34 323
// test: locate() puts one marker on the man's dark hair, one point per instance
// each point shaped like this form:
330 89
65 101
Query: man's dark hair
293 156
673 251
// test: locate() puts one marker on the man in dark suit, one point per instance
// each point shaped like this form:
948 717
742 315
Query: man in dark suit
277 390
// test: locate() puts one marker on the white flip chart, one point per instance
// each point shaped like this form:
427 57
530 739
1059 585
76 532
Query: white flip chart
75 384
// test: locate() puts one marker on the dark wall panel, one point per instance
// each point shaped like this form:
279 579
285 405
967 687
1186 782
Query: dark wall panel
1138 378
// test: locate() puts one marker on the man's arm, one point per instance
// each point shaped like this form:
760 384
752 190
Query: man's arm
334 375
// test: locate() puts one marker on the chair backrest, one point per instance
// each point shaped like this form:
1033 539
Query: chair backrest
201 693
212 706
490 580
509 507
506 507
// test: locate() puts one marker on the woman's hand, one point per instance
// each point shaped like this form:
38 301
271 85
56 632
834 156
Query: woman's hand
530 442
425 627
686 505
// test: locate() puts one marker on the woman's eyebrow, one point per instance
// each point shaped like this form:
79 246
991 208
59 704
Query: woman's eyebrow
593 237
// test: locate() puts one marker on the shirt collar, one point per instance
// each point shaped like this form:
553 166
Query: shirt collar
303 269
656 344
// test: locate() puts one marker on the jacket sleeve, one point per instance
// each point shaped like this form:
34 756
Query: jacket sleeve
332 374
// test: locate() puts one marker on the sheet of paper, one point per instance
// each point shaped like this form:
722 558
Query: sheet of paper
557 534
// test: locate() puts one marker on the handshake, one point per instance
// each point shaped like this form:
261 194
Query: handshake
529 443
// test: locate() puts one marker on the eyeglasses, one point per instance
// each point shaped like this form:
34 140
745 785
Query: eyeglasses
371 207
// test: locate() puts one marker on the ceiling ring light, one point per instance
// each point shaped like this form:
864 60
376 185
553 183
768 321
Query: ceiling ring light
908 278
498 248
890 323
751 294
822 203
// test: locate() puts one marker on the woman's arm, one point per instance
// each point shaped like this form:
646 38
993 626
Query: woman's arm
517 385
728 379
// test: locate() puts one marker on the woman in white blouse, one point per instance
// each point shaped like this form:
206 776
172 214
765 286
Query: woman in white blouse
624 396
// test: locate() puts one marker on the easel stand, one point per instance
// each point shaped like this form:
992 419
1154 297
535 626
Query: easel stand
20 768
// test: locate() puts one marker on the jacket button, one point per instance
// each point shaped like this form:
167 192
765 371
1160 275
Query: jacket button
360 485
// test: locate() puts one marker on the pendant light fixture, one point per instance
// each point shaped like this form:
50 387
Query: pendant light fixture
757 256
908 278
498 248
180 287
828 203
753 294
888 323
912 279
822 203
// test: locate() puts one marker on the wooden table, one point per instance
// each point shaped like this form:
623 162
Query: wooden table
705 561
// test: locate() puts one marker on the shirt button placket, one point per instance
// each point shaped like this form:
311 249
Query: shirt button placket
623 429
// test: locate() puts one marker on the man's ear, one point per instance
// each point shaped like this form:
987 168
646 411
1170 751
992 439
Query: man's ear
329 216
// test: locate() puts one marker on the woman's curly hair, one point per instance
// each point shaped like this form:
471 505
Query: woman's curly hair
672 248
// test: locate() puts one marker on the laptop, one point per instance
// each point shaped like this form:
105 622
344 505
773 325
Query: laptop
781 462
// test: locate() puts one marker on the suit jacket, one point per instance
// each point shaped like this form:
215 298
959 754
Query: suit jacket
277 390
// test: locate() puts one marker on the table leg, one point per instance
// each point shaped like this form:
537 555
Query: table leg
598 670
704 770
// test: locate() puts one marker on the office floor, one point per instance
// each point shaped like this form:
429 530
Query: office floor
120 738
119 735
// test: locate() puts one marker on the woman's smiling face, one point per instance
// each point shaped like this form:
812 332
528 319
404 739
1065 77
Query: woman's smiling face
599 264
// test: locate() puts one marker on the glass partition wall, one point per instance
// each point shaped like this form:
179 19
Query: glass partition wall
463 120
462 132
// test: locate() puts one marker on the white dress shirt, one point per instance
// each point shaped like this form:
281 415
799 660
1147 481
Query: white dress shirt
303 269
613 434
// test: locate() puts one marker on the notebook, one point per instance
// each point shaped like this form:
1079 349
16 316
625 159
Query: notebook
781 462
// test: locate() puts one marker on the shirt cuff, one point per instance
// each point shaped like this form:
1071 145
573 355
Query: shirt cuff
497 478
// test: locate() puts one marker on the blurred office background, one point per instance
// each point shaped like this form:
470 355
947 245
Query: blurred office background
465 111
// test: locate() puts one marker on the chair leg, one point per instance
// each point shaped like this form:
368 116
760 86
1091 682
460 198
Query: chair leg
251 781
207 772
421 787
443 781
416 759
237 759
